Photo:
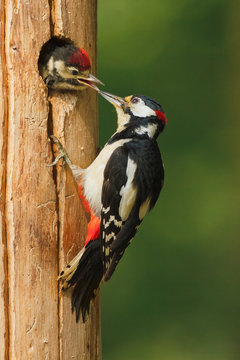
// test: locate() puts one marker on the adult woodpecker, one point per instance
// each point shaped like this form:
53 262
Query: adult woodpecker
62 65
120 186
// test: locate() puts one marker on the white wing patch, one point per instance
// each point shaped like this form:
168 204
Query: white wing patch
128 191
144 208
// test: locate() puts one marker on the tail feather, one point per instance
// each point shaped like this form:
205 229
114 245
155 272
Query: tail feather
86 278
82 296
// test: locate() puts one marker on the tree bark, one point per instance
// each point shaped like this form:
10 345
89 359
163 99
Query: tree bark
42 221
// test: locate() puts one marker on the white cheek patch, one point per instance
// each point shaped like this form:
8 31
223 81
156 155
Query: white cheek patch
61 69
141 110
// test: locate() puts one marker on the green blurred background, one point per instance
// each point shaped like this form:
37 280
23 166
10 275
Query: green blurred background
176 293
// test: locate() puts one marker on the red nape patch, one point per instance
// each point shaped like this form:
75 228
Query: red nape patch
93 228
161 116
80 59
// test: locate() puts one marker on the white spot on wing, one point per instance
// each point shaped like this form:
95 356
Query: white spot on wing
128 191
112 219
110 236
106 210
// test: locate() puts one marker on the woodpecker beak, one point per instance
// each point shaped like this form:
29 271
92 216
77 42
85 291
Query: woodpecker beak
90 81
116 101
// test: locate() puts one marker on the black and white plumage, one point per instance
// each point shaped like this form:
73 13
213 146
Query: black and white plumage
87 278
133 176
121 185
64 66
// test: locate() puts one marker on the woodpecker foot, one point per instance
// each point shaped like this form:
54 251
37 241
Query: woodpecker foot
76 170
62 153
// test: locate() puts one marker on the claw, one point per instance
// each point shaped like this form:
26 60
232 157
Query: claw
62 153
59 157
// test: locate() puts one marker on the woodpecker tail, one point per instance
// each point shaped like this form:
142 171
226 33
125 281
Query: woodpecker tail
85 272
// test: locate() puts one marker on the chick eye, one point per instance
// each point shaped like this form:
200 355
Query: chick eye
135 100
74 72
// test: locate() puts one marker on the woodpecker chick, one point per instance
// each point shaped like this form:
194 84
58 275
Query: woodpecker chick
64 66
120 186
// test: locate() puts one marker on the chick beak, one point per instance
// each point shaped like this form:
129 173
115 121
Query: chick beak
90 81
116 101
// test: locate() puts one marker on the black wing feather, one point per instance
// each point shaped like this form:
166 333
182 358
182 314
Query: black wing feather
117 234
111 222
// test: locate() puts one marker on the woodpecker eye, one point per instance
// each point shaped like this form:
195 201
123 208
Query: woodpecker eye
74 72
135 100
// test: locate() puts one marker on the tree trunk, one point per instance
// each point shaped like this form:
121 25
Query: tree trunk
42 221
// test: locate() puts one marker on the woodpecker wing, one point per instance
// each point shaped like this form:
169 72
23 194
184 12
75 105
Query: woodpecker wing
133 178
111 222
119 194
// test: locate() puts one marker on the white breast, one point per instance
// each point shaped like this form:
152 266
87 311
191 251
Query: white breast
92 179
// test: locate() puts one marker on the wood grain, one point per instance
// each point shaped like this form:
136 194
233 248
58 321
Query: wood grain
42 222
3 254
